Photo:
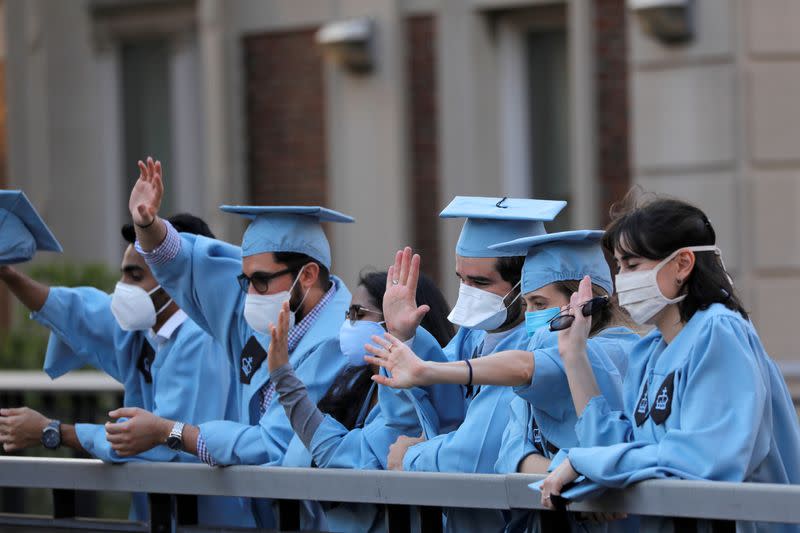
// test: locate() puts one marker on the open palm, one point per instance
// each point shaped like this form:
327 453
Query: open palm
405 368
400 299
145 199
278 353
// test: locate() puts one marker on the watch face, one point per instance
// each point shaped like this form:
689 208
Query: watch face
51 438
174 443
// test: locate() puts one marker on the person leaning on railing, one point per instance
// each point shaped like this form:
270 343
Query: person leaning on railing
703 398
234 293
142 339
348 427
543 414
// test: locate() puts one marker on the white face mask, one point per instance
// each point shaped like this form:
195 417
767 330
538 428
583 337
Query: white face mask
639 293
133 308
261 310
480 309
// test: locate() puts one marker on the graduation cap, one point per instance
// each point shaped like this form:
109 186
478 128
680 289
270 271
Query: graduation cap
567 255
493 220
22 230
287 228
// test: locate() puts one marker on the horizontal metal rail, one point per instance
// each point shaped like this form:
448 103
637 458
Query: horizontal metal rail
696 499
84 381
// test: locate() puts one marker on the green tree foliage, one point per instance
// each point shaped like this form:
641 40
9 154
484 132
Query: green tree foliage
23 346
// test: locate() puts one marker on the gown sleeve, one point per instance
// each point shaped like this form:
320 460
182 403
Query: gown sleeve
200 275
711 439
85 332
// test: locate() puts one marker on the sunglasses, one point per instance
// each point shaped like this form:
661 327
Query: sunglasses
356 312
593 306
259 280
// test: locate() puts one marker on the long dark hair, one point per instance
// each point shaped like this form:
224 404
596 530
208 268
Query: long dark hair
344 399
654 227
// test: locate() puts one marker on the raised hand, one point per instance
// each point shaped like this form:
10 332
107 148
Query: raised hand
400 309
278 353
145 200
406 369
572 341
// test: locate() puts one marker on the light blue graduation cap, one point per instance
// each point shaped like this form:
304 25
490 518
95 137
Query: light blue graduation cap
493 220
287 228
567 255
22 230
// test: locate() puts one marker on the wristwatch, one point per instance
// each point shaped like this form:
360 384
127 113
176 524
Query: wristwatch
51 435
175 439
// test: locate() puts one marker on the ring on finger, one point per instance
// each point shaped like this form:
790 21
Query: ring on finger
395 282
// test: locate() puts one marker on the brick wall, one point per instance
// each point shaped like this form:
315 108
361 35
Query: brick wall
285 118
424 140
611 100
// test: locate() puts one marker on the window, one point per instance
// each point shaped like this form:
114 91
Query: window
545 85
146 109
548 111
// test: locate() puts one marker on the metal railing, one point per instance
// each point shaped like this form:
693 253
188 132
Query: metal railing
87 381
428 493
84 396
398 491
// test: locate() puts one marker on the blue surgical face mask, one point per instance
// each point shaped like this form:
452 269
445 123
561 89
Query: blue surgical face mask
537 319
353 337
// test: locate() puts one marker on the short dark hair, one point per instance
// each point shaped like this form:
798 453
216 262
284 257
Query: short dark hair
510 268
182 222
294 262
654 227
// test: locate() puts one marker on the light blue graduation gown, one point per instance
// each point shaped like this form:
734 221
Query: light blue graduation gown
474 445
543 415
727 415
431 409
189 379
549 393
365 447
202 279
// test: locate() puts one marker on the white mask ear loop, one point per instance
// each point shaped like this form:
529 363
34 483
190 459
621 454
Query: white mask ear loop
151 293
709 248
516 297
292 288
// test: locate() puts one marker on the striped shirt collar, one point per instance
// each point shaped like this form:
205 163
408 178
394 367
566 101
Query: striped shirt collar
299 330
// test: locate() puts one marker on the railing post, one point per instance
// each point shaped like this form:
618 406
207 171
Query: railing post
186 509
63 503
555 521
160 512
288 515
398 519
723 526
430 519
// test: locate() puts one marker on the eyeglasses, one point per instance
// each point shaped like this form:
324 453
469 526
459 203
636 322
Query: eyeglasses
356 312
593 306
259 280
